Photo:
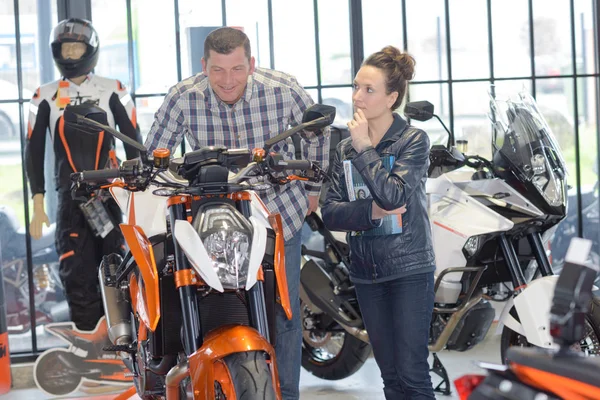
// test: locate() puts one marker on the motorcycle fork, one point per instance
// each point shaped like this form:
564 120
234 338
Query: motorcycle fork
188 297
512 262
537 247
256 294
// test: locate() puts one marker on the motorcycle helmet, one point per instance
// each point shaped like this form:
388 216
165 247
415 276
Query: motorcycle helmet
75 30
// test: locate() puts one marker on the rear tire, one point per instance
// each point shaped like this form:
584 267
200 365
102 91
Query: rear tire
250 375
346 362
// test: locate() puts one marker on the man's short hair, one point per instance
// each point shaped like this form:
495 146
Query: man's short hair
225 40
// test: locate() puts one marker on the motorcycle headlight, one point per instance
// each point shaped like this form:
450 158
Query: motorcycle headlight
472 245
227 237
547 181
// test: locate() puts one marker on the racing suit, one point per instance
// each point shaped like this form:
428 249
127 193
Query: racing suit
80 250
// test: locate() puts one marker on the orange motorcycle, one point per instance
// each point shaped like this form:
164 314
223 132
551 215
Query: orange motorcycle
191 306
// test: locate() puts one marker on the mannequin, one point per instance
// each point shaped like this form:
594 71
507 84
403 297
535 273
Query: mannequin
74 51
80 244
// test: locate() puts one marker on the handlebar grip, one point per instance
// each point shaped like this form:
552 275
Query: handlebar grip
99 175
294 164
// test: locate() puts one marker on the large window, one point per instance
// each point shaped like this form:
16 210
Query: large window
461 47
23 52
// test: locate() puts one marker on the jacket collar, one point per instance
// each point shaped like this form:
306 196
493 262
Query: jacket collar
395 130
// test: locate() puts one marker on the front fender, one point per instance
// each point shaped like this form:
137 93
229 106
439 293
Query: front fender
220 343
533 308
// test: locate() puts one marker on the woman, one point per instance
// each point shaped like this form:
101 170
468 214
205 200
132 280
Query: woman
389 234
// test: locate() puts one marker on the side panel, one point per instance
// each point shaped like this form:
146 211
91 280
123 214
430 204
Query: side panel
142 252
257 252
149 211
455 217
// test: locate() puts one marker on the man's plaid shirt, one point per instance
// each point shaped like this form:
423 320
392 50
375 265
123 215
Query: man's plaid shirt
273 101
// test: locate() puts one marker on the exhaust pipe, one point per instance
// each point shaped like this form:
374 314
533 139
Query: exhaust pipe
356 332
174 378
117 310
317 293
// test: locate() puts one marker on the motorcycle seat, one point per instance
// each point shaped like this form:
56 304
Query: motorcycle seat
572 366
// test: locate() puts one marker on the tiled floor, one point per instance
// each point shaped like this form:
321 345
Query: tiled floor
364 385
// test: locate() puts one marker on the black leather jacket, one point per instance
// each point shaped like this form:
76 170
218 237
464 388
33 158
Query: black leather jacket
382 258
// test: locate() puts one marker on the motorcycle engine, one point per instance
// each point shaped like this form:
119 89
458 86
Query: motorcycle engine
438 323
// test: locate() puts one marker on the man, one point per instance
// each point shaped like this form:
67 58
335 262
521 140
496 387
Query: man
75 49
236 105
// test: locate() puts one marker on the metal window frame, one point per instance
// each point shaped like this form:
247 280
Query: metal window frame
83 9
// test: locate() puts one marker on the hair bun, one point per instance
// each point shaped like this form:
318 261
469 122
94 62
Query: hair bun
405 61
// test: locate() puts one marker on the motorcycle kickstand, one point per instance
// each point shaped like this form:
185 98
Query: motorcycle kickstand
438 368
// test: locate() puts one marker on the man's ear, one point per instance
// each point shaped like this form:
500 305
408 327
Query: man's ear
203 65
252 65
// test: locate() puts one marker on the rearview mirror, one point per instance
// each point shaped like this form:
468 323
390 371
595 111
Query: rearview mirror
73 114
91 119
318 116
315 117
419 110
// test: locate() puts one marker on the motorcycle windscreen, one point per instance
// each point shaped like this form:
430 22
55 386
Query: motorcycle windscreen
523 138
148 299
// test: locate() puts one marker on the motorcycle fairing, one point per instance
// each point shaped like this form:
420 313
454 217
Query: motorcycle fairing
548 373
148 210
220 343
194 249
533 307
259 244
500 193
280 275
455 217
262 213
143 254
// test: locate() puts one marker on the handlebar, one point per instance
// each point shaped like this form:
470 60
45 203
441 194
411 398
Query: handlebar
98 175
137 175
287 165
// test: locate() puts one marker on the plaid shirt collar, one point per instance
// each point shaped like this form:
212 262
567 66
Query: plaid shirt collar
214 101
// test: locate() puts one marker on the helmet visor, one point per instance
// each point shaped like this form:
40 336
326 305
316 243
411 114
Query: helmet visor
74 31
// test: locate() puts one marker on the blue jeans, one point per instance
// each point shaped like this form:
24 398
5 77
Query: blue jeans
288 346
397 315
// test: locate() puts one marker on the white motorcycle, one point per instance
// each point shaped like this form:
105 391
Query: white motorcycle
490 222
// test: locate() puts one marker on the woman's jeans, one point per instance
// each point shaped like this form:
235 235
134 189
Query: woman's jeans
397 315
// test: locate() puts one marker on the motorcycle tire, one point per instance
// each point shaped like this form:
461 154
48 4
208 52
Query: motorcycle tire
53 376
511 338
250 375
351 357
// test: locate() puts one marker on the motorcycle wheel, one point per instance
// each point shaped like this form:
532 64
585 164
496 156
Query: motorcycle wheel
331 355
250 375
352 354
589 345
53 377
